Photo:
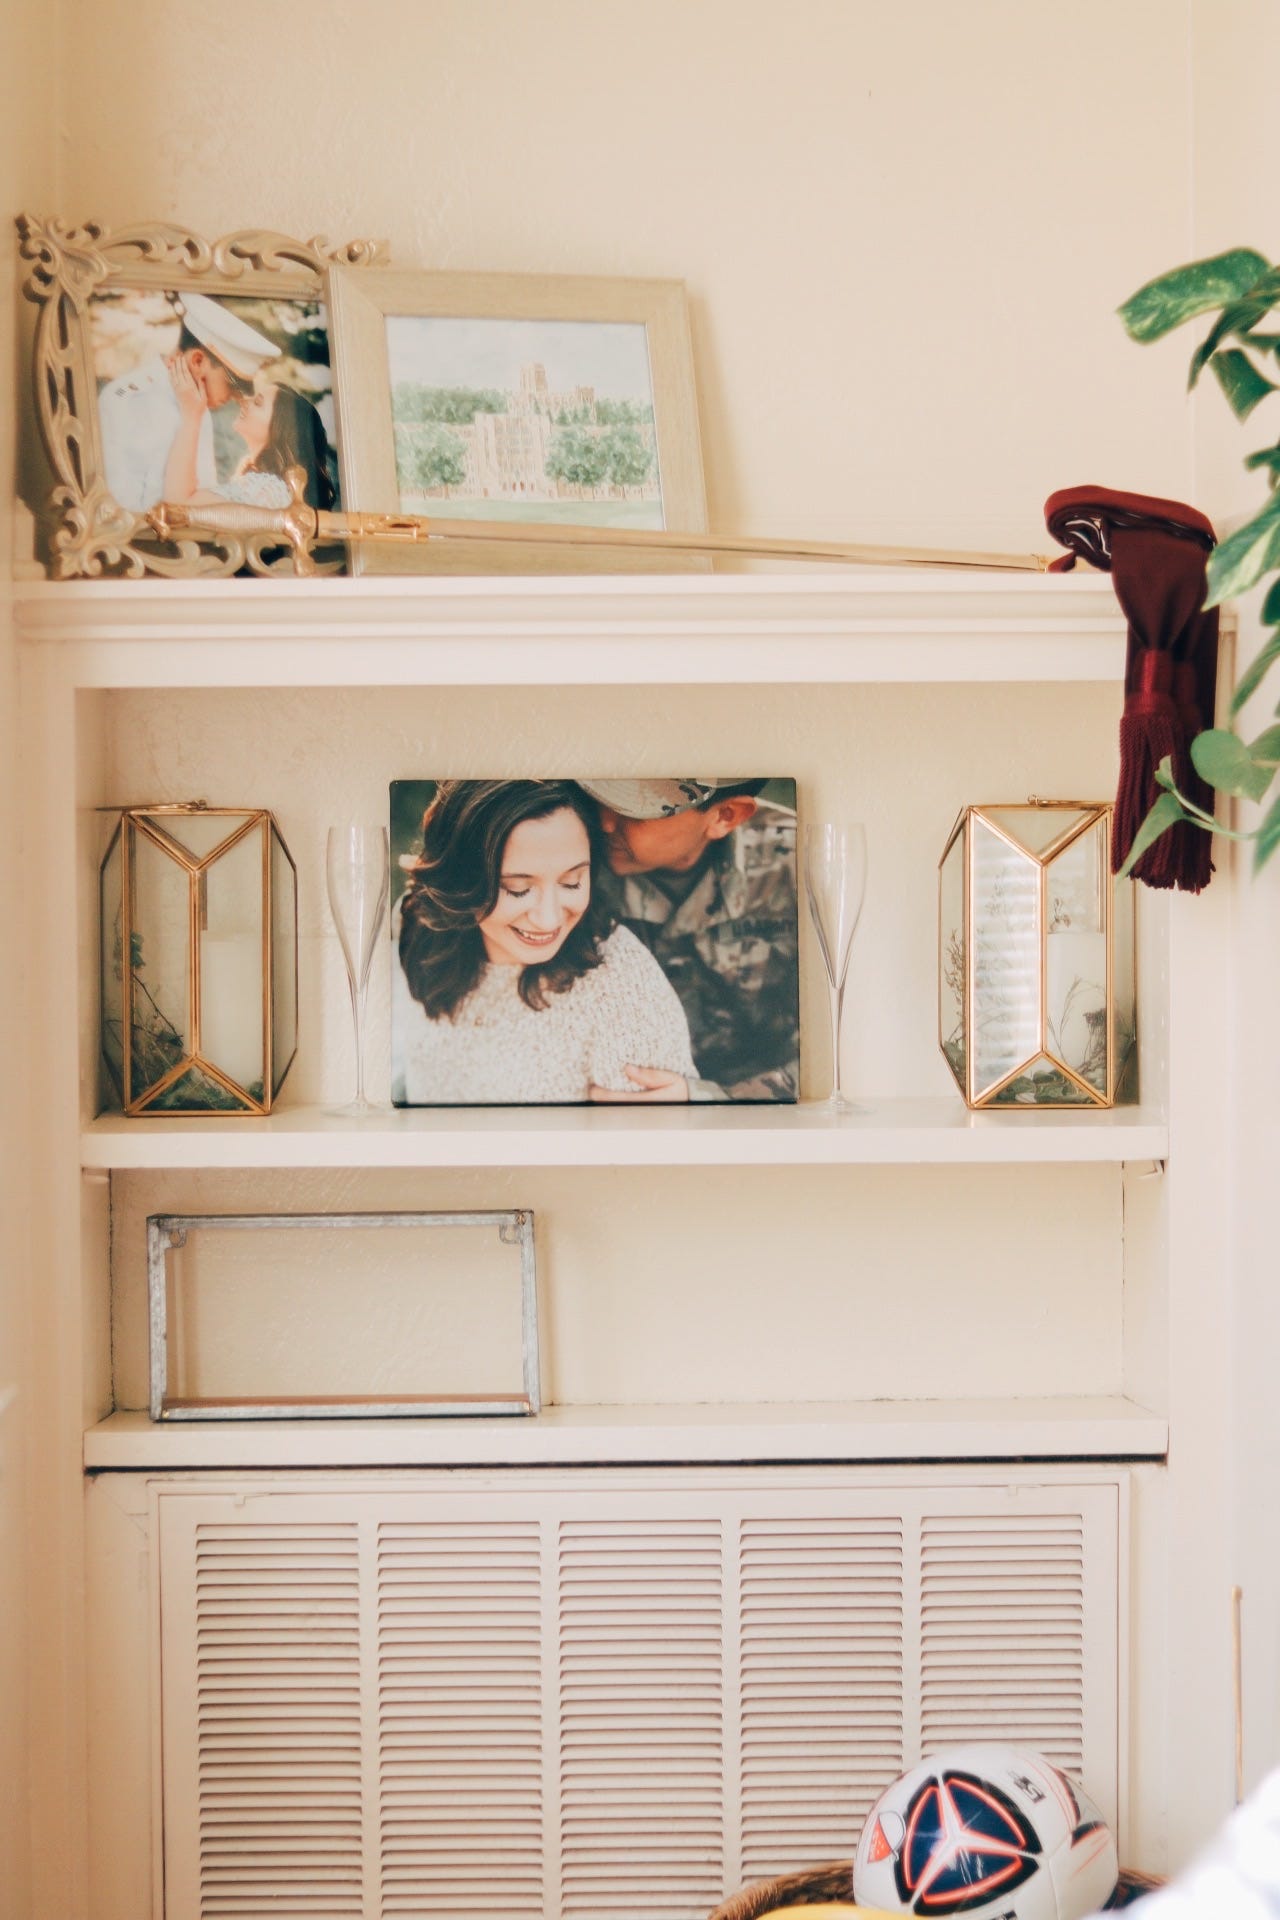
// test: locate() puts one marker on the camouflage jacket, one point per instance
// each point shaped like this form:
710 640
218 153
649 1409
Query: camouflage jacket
729 946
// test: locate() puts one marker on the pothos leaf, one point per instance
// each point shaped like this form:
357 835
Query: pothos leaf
1164 303
1256 672
1240 317
1268 838
1222 758
1245 555
1240 381
1166 813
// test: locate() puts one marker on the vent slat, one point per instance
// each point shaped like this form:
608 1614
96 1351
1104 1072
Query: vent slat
277 1728
641 1714
822 1614
1002 1633
459 1680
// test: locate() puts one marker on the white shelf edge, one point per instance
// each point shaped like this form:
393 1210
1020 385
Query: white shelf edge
823 626
1102 1427
893 1133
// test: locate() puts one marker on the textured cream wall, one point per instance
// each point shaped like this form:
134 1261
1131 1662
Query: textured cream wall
904 229
1237 60
702 1284
26 175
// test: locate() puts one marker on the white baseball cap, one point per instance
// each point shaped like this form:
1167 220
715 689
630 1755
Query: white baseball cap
239 347
652 799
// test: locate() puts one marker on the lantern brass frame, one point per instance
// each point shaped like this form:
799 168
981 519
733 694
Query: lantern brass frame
167 1231
94 534
1095 811
143 1106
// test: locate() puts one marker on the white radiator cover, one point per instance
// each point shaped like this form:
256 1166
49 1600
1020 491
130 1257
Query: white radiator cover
601 1694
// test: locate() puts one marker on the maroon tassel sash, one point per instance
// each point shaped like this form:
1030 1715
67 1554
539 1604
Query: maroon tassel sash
1155 551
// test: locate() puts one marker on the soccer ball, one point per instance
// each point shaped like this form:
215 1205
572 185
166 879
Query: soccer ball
990 1832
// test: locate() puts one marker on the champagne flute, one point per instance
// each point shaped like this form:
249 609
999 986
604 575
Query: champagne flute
357 872
835 880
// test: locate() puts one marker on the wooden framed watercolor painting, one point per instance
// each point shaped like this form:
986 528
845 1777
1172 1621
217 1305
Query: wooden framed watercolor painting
520 399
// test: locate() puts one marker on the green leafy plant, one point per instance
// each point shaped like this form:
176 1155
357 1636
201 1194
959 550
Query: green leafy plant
1242 289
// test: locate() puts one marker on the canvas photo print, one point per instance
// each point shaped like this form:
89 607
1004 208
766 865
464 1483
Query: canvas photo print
524 420
208 397
570 942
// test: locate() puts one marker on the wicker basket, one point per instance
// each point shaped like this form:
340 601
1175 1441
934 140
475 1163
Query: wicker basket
833 1882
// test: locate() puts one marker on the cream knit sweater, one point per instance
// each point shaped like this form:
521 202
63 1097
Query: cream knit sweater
496 1050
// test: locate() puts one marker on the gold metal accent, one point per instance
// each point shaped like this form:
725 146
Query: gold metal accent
301 527
69 265
1096 819
140 823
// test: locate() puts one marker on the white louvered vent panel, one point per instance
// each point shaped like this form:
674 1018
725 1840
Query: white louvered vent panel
460 1717
821 1610
1003 1633
278 1721
641 1711
600 1697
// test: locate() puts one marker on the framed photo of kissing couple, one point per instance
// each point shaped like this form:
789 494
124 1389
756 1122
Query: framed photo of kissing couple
581 941
171 368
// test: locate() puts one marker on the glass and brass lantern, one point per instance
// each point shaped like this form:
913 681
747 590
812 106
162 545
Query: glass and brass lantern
199 914
1036 958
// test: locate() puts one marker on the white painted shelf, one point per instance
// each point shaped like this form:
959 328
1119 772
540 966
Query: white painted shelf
829 624
1104 1427
891 1133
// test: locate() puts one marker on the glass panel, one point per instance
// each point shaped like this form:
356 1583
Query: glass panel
1006 957
199 832
111 921
160 965
284 960
408 1311
1036 827
231 978
198 1092
1124 990
1042 1085
1077 882
951 958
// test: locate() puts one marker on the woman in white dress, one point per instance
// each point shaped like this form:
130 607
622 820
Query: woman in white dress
280 429
514 984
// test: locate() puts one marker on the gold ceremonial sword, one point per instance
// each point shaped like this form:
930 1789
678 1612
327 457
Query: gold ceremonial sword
301 527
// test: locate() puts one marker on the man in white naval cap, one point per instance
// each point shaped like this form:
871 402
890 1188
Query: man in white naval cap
703 872
138 413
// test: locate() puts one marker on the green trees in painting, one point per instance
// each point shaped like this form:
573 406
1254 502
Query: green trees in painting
429 455
628 459
454 406
586 457
577 456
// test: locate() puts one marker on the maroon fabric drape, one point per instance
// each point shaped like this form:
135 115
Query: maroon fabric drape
1156 552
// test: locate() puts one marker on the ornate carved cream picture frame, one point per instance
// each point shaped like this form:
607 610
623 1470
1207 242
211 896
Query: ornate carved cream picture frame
94 534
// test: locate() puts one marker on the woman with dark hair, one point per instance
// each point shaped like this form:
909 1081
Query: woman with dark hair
514 983
280 429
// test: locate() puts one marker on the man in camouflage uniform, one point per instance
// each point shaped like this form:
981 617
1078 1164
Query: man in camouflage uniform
704 873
